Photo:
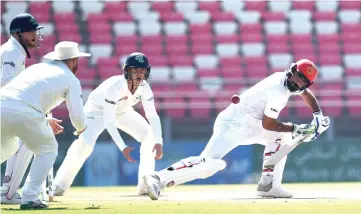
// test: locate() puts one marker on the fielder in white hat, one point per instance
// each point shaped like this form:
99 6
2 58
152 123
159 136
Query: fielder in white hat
24 103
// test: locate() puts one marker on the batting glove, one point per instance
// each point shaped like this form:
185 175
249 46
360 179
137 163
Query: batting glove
321 122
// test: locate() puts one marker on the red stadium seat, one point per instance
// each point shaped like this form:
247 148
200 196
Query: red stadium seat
199 107
256 5
124 40
177 49
273 16
163 7
324 16
251 28
303 5
176 39
276 47
350 5
251 38
197 49
172 17
222 17
348 28
175 107
209 6
151 39
227 38
200 28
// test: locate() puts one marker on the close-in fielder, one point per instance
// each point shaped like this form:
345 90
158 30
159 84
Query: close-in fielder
252 121
110 106
25 34
24 103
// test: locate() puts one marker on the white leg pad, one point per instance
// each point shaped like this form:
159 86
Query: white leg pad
190 169
78 152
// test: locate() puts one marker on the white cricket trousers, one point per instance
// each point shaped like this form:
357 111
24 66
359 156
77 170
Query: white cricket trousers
233 127
19 120
130 122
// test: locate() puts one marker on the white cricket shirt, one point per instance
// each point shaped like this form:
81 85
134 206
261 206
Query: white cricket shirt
13 57
268 97
44 86
113 97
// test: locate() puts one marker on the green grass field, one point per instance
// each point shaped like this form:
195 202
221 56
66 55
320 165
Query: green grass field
332 198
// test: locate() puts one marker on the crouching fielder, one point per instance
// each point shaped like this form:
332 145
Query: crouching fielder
24 103
253 120
110 106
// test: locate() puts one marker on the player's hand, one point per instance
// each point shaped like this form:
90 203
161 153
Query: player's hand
304 130
126 153
158 148
321 122
54 124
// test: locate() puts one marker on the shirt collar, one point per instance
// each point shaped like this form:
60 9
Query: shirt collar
17 44
61 64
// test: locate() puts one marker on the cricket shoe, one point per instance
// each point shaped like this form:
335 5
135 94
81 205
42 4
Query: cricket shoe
16 199
154 185
37 204
142 189
265 189
57 190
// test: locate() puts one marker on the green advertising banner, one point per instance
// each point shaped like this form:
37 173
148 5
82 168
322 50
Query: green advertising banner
320 161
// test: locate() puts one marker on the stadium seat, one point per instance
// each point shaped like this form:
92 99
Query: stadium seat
91 7
232 6
199 17
303 5
326 5
183 73
225 50
149 28
350 16
300 27
200 107
248 17
223 17
352 60
201 49
212 84
185 7
350 5
275 27
324 16
273 16
172 17
299 16
256 5
66 6
220 39
253 49
146 16
280 6
326 27
124 28
330 73
163 6
159 74
99 51
224 28
175 28
206 61
281 61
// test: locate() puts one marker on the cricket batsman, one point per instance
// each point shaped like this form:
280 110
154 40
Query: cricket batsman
253 120
27 99
110 106
25 34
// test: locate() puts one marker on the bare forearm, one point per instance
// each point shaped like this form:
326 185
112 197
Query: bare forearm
271 124
311 101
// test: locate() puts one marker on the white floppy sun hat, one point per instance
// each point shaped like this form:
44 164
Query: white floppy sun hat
66 50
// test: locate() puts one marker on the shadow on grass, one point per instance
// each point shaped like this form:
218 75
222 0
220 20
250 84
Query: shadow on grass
30 210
